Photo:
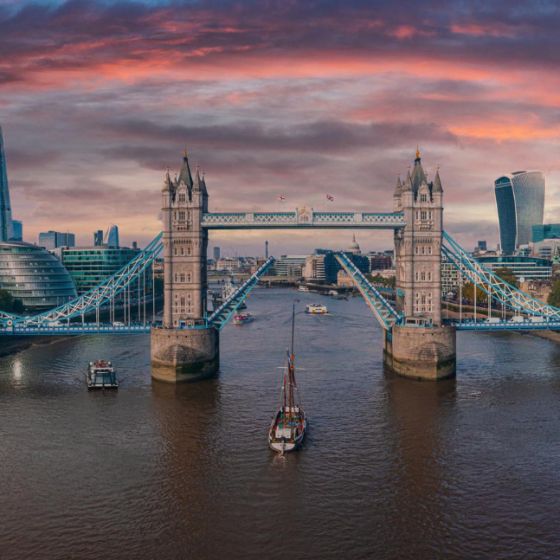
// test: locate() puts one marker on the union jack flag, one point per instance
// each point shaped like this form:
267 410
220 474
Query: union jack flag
330 197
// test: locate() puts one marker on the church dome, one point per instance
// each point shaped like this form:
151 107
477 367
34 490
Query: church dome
354 247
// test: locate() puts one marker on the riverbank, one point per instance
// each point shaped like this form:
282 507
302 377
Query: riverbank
13 345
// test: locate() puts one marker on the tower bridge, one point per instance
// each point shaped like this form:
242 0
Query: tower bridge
418 341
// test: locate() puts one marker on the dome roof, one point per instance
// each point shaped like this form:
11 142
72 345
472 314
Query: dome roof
34 276
354 247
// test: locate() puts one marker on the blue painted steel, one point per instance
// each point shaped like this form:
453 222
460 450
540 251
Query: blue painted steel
75 329
487 326
493 285
220 318
382 309
303 218
95 298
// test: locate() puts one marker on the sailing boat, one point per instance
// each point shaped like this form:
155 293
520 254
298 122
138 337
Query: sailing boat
287 429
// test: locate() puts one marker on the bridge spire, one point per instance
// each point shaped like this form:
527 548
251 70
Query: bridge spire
436 187
185 176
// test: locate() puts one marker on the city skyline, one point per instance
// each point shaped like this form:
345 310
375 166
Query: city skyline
98 98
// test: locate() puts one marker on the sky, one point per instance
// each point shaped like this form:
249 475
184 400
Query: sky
293 98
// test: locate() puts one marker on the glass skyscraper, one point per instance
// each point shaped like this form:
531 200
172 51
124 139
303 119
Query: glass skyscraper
520 202
6 226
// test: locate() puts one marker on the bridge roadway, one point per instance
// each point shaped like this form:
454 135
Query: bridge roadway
75 329
489 326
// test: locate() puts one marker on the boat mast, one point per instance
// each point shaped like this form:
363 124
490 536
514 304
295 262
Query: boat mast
291 365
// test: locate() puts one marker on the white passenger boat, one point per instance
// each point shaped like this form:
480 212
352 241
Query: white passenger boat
302 288
288 426
316 309
101 375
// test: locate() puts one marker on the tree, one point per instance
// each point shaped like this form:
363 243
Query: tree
507 276
554 296
9 304
378 279
468 293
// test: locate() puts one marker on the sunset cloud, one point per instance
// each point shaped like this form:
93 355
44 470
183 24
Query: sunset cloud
101 96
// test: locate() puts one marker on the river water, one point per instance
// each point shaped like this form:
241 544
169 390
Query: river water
391 468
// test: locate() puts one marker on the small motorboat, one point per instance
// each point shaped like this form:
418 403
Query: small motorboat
242 318
302 288
288 426
316 309
101 375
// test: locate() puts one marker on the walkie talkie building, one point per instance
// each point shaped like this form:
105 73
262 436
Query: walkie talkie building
520 202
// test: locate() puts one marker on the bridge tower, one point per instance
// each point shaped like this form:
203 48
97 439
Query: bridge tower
422 347
184 348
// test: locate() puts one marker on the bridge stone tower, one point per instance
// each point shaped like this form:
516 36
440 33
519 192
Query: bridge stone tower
423 347
184 348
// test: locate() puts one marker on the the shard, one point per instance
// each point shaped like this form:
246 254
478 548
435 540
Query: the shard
6 225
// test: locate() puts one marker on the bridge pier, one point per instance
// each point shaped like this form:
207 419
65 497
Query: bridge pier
180 355
427 353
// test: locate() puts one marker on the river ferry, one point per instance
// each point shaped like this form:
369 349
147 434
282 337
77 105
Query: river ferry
242 318
101 375
287 430
316 309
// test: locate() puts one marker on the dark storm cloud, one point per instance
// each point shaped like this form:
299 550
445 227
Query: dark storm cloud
323 136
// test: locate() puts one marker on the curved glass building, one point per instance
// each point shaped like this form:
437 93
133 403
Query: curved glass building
520 202
34 276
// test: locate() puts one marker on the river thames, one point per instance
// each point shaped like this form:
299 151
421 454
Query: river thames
391 468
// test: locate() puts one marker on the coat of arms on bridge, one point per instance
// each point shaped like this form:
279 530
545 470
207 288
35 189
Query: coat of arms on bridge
304 215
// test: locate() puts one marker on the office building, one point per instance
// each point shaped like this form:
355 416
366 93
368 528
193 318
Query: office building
540 232
6 231
34 276
289 265
216 254
98 238
527 268
89 266
17 230
482 246
520 203
111 238
379 261
51 240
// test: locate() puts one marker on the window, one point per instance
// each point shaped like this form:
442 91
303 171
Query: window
182 197
423 215
181 216
423 198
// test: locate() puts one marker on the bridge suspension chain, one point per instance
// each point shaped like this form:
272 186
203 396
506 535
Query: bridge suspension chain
497 289
98 296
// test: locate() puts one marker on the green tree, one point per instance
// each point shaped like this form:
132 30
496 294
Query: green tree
378 279
507 276
10 304
554 296
468 293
